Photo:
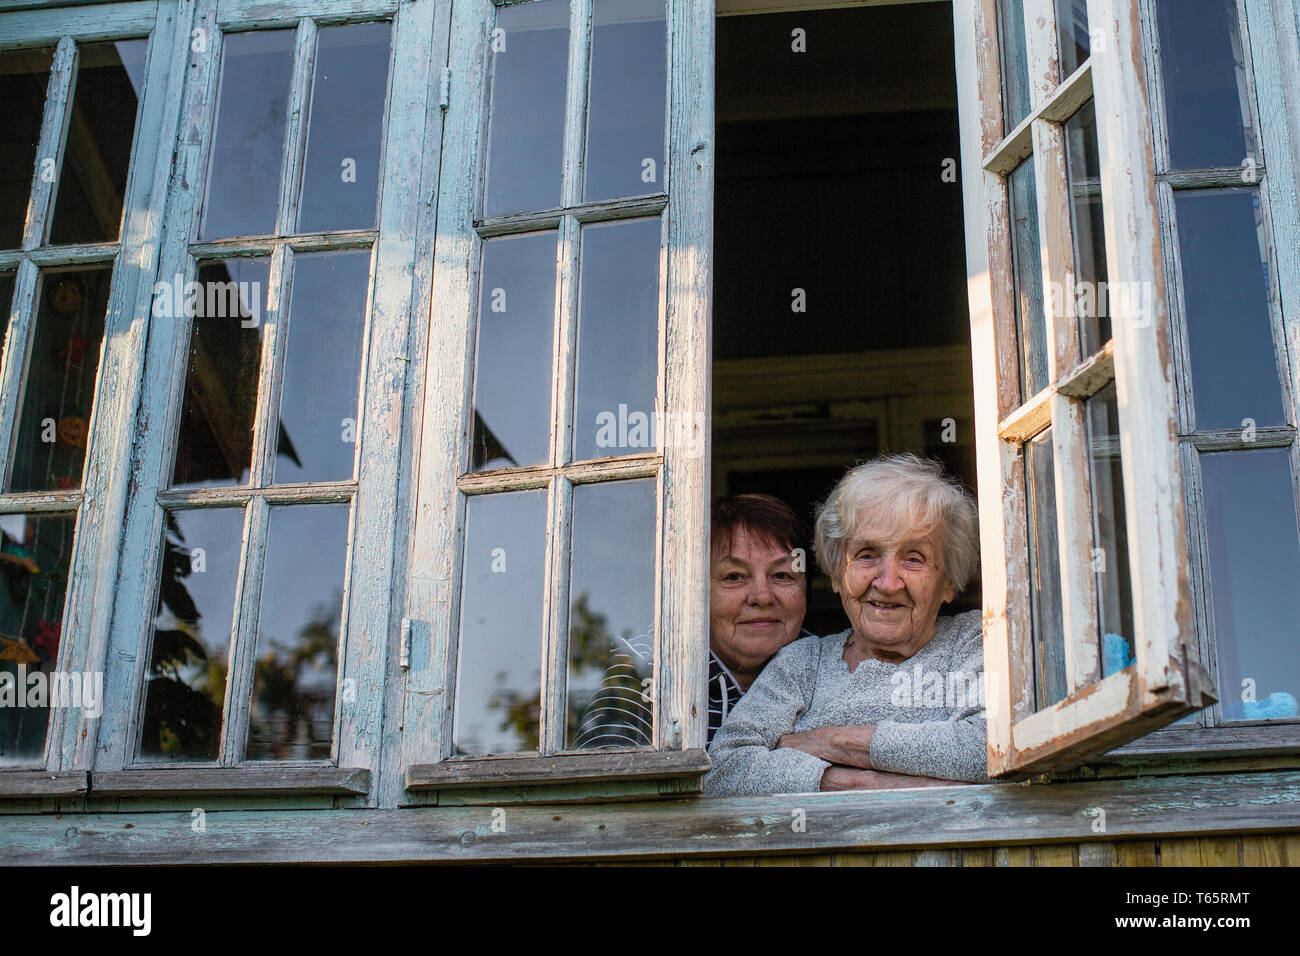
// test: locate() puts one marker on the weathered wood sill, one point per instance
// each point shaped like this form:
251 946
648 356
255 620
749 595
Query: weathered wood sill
223 781
970 816
586 777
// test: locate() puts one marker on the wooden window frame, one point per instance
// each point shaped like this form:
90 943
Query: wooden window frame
681 599
88 600
1166 681
409 159
1271 49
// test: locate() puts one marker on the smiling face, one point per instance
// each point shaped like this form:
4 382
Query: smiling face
892 586
756 603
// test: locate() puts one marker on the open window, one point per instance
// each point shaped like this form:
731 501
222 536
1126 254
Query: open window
1089 626
558 570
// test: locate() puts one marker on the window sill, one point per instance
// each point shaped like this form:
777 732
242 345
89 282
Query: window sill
29 784
625 775
1203 743
230 781
801 824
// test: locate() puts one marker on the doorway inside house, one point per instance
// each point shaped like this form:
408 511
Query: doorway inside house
840 316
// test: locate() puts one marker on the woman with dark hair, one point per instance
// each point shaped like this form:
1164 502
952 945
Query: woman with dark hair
757 593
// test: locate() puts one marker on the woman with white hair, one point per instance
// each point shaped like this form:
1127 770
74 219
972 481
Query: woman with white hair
896 700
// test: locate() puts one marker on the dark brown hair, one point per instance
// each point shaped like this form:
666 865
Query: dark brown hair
769 519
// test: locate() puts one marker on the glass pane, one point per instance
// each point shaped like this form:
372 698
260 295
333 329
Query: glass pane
215 443
92 183
24 77
625 109
248 142
1031 323
1072 34
296 663
322 368
618 340
611 615
341 174
1110 534
499 672
1015 63
1206 104
185 687
1250 521
1045 571
516 331
53 427
1093 306
1226 296
530 55
35 554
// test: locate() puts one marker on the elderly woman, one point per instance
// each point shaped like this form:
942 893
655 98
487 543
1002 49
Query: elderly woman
897 699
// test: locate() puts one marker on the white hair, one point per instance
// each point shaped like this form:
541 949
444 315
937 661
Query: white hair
905 494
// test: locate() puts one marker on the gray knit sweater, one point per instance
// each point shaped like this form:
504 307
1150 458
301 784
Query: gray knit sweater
928 712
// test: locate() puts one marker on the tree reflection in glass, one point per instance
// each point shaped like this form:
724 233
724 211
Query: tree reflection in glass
296 656
185 686
611 619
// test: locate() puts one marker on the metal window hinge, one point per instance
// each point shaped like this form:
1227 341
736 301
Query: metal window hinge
444 88
404 653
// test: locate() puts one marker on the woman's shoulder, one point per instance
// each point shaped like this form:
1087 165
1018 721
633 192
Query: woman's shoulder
964 631
803 652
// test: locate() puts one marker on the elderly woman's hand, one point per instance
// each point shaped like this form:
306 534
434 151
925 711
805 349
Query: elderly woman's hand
848 746
837 777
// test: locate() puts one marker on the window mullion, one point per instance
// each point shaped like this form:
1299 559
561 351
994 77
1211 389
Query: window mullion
575 108
243 634
297 122
270 377
555 612
21 322
58 103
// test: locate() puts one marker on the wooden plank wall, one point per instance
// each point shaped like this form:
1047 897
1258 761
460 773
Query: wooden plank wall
1254 850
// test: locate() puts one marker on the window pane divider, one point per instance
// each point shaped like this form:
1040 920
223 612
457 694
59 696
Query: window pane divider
330 492
270 372
297 120
17 343
259 246
257 14
1222 178
555 612
602 211
58 105
1063 103
1230 439
243 634
522 479
1082 381
71 255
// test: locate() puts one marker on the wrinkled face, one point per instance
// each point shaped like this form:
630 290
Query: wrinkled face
892 586
756 601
